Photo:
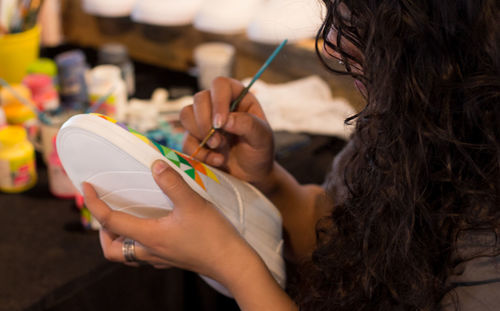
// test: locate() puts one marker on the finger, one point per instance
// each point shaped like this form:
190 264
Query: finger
174 186
109 249
117 222
249 127
112 250
205 155
112 247
223 92
188 121
203 112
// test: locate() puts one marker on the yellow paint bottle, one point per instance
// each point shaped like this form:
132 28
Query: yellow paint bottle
17 160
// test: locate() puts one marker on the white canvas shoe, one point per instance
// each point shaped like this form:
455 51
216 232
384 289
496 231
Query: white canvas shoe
286 19
166 12
108 8
116 160
226 17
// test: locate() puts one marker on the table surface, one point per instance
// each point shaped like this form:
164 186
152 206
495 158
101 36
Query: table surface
48 262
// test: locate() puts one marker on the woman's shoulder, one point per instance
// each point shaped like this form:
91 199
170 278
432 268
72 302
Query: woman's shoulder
475 279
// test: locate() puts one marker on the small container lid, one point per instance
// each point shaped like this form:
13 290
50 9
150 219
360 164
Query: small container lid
70 59
18 113
43 66
11 135
105 74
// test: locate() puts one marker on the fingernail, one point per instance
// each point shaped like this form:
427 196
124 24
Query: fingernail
159 166
213 142
217 121
230 122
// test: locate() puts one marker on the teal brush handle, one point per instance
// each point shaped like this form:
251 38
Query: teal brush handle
235 103
238 99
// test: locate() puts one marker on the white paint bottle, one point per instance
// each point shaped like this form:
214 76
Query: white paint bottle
106 81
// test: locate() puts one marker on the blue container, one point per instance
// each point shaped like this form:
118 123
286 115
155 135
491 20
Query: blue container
71 67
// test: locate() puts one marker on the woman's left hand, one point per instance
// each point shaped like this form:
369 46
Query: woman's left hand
193 236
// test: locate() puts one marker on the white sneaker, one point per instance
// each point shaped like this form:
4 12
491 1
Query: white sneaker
116 160
108 8
286 19
226 16
166 12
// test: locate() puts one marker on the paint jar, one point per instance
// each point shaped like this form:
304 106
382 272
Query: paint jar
43 91
17 113
107 80
59 183
213 59
17 160
117 54
71 68
49 130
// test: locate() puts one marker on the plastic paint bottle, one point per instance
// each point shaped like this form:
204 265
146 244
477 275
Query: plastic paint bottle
43 91
17 160
18 113
103 80
59 182
117 54
71 67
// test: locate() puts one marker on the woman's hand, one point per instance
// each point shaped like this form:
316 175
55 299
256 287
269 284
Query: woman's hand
194 236
243 146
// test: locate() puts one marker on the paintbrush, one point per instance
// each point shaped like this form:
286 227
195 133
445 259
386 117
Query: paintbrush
32 13
238 99
101 100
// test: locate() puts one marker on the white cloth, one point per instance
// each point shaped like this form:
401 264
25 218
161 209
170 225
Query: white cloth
305 105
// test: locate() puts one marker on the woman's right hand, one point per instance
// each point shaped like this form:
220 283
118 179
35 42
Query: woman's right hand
243 146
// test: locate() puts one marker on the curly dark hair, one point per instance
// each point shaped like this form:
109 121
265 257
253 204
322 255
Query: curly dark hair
426 164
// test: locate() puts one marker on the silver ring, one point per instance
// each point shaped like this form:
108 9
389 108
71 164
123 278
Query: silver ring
128 249
341 62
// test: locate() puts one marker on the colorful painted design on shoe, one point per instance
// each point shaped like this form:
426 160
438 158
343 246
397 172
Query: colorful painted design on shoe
191 167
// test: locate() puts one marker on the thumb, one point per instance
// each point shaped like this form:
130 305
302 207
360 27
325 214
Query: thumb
173 185
251 128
